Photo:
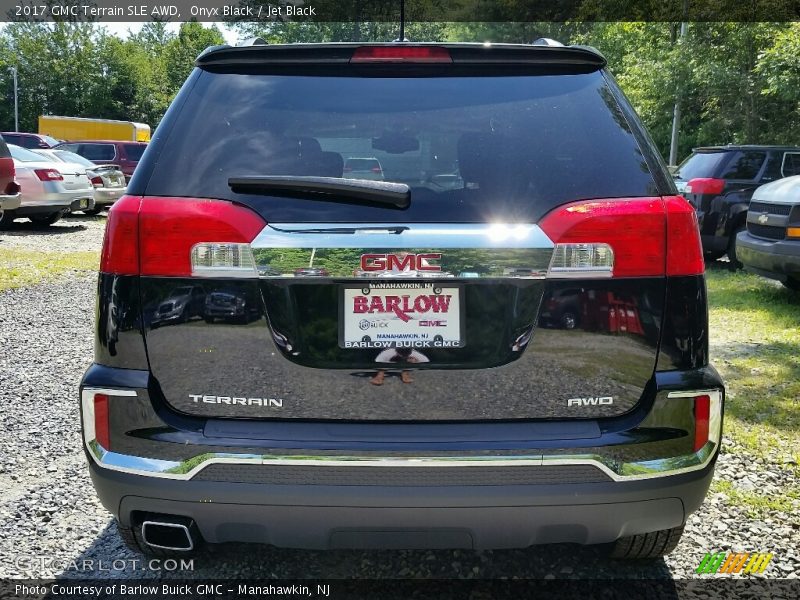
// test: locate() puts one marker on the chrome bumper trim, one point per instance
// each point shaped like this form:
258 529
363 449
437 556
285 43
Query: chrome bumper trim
615 469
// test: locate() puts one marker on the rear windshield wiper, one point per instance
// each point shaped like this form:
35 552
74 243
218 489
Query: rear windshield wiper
331 189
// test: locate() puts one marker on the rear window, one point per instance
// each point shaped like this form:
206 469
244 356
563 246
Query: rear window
25 155
133 152
700 164
470 151
96 152
72 157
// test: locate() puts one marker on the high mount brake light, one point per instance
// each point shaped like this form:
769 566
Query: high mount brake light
705 185
626 237
401 54
179 237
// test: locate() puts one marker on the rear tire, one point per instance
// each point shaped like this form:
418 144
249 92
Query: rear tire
46 220
647 545
93 211
568 320
6 219
734 263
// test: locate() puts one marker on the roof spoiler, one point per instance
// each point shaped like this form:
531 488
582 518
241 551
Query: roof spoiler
582 57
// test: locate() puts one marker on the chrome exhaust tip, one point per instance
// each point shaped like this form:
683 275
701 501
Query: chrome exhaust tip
165 535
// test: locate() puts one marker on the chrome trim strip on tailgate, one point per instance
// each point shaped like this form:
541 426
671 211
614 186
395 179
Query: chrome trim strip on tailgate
614 467
496 250
412 235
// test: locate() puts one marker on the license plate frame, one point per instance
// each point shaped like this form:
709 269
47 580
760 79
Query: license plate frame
412 334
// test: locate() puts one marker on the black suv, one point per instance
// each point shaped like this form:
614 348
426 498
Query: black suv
719 182
395 387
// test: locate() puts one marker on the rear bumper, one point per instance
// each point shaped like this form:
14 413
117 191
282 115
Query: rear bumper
53 201
326 485
481 517
223 311
774 259
9 202
107 196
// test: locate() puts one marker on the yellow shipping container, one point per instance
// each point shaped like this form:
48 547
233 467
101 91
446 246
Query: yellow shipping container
76 128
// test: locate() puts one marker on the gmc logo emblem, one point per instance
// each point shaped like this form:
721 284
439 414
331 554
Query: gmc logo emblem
400 262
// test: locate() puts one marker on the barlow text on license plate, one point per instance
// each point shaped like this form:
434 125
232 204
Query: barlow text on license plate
401 315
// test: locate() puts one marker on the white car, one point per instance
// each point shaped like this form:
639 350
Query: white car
49 189
108 180
363 168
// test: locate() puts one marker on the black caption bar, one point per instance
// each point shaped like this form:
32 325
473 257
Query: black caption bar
405 589
107 11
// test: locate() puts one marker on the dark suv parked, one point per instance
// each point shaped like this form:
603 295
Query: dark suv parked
385 401
719 182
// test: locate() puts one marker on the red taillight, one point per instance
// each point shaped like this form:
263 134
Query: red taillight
97 181
12 188
48 175
376 170
632 227
101 430
702 415
414 54
347 169
155 236
649 237
170 227
705 185
684 248
121 242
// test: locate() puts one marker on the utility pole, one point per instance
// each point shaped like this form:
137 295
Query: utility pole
16 100
676 114
402 36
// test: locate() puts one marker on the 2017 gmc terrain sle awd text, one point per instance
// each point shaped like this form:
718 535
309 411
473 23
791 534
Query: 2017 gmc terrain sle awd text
365 363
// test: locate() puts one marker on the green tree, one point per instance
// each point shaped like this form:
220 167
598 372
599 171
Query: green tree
56 64
181 51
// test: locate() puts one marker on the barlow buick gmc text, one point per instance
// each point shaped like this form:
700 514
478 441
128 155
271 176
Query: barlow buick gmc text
289 354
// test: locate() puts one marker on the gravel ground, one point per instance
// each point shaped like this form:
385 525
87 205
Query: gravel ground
73 233
48 507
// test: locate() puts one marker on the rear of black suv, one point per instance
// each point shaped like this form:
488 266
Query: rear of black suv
365 363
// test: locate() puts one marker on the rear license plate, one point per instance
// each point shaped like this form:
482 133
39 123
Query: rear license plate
401 315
